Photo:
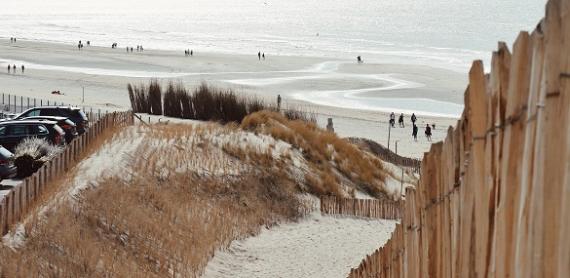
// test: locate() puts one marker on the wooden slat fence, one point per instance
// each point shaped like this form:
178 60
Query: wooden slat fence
15 203
370 208
493 199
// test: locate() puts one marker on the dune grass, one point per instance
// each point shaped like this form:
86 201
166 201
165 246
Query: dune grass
326 151
205 103
180 199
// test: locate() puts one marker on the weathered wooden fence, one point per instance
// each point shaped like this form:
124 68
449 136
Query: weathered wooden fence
370 208
14 201
494 198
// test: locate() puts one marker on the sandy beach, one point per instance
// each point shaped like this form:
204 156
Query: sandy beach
357 96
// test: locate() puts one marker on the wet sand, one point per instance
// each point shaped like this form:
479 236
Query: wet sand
356 96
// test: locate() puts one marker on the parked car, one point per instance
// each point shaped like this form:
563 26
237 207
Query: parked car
73 113
13 132
66 124
7 168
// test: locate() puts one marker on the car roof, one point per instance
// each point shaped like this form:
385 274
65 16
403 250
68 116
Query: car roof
56 107
47 122
55 118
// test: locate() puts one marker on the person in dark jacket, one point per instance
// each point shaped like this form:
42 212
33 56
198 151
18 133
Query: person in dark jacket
401 120
428 132
414 119
415 132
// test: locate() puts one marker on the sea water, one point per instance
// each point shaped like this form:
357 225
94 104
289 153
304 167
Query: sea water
441 33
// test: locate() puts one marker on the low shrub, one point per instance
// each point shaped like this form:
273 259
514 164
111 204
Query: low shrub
32 153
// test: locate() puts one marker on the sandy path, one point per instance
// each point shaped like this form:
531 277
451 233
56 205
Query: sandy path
315 247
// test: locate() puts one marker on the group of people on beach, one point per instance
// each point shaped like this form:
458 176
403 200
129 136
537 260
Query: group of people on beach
413 119
140 48
13 68
188 52
80 45
12 40
260 56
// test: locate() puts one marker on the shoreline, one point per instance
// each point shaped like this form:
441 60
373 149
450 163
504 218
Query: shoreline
104 74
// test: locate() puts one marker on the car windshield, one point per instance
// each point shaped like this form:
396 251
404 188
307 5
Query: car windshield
58 129
69 122
4 153
83 116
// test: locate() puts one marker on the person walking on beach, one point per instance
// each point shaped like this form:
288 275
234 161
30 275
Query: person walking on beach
415 132
191 52
279 102
414 119
401 120
393 119
263 56
23 69
259 56
359 59
8 68
428 132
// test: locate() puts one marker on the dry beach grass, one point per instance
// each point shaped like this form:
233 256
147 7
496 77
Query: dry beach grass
185 191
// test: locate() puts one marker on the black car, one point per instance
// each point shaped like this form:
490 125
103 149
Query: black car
68 125
13 132
7 168
73 113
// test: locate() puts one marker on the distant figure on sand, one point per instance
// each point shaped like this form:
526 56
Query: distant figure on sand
14 68
8 68
191 52
259 55
428 132
330 127
359 59
279 102
263 56
401 120
393 119
414 119
415 132
23 69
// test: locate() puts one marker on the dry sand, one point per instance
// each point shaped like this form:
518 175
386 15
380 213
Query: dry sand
317 246
105 72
